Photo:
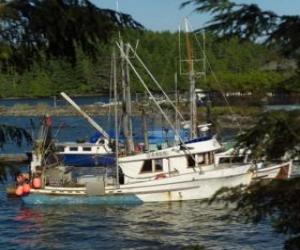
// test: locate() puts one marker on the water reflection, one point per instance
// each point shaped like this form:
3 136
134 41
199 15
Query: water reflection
148 226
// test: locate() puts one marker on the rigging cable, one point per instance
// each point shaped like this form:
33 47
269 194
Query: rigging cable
218 83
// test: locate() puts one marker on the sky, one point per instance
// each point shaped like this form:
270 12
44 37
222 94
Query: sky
161 15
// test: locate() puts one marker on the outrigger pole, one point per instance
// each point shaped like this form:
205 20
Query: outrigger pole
85 115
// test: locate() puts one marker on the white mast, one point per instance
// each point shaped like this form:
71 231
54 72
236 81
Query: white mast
116 118
177 125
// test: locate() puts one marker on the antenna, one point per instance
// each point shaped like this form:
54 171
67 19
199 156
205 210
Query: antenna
118 11
192 59
117 5
188 66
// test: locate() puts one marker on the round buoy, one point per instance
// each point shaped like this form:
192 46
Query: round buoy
19 190
26 188
37 182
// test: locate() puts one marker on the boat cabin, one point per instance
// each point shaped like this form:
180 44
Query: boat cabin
99 147
170 161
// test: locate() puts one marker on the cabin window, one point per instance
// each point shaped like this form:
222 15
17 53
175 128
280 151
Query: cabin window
190 161
147 167
200 159
224 160
73 149
205 159
158 164
237 159
60 149
86 149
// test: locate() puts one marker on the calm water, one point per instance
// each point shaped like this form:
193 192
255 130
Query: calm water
72 128
148 226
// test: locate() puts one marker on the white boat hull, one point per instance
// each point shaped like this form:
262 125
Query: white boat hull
195 190
279 171
194 186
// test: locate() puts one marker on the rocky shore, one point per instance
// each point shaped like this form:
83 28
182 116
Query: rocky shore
40 110
240 117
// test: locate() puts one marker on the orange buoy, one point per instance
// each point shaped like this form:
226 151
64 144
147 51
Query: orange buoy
19 190
26 188
37 182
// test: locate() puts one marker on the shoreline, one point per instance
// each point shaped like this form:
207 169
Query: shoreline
222 115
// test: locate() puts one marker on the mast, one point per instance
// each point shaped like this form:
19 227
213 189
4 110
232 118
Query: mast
126 101
126 95
177 126
116 117
85 115
191 74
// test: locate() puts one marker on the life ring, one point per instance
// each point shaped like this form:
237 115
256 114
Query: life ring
160 176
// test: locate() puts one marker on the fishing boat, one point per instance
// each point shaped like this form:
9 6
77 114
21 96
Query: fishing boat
279 171
185 171
182 172
165 175
96 152
86 154
261 170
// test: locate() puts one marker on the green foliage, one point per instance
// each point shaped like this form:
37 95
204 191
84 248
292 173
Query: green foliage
159 51
238 67
249 22
194 247
253 81
237 110
55 27
273 135
53 46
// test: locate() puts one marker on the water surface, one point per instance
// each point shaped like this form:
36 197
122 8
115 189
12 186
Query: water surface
148 226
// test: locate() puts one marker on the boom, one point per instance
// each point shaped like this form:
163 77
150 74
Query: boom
85 115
